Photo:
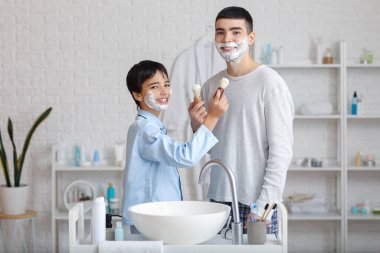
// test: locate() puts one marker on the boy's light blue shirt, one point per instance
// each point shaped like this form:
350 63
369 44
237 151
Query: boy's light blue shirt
150 172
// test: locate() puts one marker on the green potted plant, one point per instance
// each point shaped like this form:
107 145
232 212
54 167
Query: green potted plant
16 191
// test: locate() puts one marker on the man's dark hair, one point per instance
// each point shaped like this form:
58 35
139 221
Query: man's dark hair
140 72
234 12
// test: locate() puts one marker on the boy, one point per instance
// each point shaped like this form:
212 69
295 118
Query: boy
152 157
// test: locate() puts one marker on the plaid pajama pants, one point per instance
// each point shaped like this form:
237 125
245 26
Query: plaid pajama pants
244 210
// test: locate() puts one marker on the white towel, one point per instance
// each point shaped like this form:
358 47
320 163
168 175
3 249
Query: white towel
131 247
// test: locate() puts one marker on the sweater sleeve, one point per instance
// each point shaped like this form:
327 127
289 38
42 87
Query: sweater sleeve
279 115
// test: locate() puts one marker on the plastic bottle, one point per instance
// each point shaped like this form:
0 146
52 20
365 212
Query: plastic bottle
110 195
96 158
358 159
268 54
119 232
318 51
98 221
354 106
77 155
366 208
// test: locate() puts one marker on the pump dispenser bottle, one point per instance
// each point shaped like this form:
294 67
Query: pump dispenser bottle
354 106
110 195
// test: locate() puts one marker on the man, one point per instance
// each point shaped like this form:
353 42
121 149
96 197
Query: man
255 134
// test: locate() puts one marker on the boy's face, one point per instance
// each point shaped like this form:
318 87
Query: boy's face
232 39
155 93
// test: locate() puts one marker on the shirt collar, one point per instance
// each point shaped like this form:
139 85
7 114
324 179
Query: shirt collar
151 117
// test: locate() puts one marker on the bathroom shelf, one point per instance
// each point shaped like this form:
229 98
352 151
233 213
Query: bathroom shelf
326 169
357 117
65 172
333 116
304 66
361 134
363 217
315 217
363 168
364 66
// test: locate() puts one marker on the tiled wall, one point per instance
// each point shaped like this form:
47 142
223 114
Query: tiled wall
74 56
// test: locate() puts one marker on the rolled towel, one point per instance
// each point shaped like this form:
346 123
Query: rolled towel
317 108
131 247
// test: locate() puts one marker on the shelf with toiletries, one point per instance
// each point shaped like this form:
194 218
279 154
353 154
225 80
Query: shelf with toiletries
315 164
362 156
318 165
77 177
327 116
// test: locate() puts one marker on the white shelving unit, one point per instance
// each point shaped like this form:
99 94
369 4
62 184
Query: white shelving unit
338 134
63 173
363 134
330 176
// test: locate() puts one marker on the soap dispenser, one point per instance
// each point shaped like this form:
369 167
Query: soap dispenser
110 233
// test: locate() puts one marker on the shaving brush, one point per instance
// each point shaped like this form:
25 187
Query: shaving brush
197 93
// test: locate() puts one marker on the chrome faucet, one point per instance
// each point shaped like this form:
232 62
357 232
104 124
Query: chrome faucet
237 225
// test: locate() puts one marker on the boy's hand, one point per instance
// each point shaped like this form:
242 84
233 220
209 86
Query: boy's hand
197 113
218 106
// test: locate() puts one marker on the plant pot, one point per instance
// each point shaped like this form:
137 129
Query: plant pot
13 200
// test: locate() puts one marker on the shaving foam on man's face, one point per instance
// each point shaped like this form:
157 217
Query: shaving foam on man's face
233 52
157 103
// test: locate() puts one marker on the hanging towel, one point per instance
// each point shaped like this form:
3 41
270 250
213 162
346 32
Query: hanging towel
195 65
131 247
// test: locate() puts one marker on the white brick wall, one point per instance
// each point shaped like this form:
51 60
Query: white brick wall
74 56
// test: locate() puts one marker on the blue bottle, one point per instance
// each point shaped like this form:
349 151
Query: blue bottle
110 195
119 232
354 106
268 54
77 155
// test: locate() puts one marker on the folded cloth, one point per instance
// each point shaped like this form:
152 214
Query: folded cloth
318 108
131 247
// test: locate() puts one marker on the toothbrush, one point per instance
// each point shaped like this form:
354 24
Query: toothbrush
253 212
197 93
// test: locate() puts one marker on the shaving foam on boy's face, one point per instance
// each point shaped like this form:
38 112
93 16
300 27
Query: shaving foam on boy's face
155 103
233 52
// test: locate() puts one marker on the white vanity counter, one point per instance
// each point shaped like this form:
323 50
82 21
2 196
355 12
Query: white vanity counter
216 244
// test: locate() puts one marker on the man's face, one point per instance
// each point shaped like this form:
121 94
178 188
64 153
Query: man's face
155 93
232 39
230 30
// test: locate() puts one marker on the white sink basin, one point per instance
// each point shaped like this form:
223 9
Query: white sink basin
179 222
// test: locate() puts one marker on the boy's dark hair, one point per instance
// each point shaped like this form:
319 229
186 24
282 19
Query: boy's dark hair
140 72
234 12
